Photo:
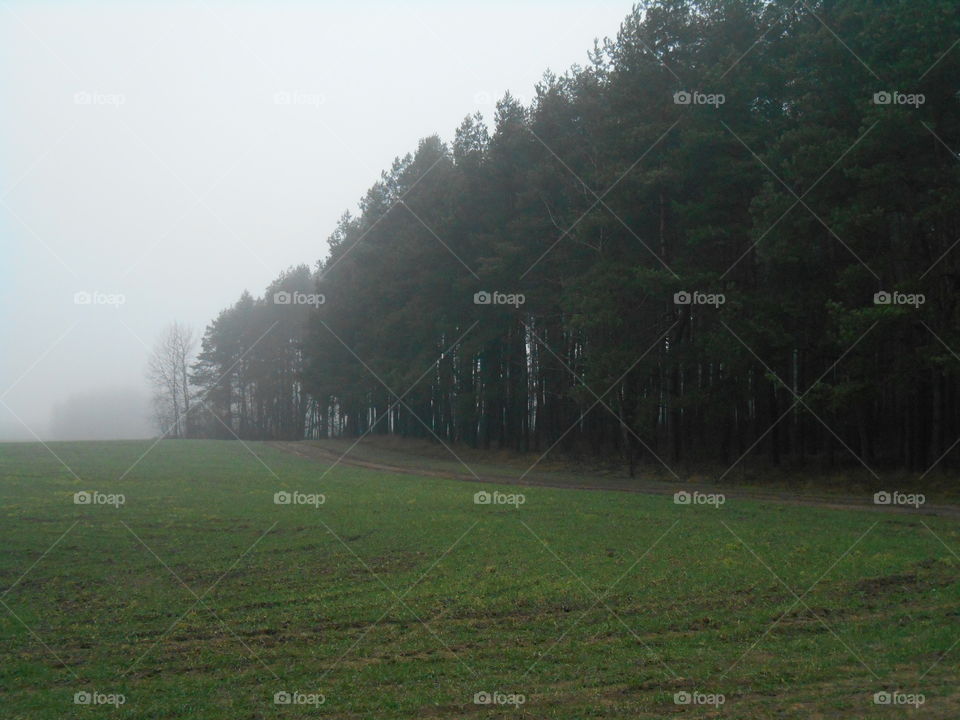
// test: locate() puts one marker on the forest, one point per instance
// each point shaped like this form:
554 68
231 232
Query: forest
731 234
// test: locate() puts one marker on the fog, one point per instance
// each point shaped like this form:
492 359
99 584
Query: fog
158 159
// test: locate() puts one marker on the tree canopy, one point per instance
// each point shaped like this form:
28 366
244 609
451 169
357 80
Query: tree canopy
732 234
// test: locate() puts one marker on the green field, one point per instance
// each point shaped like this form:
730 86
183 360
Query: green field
399 597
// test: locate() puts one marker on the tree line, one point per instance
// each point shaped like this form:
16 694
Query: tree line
732 234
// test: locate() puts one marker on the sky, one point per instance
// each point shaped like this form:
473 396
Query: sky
157 159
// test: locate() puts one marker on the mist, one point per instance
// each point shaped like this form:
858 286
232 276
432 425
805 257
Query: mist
160 159
118 413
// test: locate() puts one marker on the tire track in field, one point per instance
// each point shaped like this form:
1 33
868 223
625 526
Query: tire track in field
646 487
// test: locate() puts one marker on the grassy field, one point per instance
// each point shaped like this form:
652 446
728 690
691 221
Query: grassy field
399 597
816 477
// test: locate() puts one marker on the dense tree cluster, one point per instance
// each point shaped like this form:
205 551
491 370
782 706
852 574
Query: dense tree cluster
733 233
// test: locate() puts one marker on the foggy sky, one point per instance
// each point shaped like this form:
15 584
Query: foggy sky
176 154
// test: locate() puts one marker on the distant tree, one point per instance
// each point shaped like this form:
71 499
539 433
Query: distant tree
167 372
249 371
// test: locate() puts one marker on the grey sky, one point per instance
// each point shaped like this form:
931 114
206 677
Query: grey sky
179 153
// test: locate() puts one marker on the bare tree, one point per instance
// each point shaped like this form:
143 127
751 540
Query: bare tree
167 374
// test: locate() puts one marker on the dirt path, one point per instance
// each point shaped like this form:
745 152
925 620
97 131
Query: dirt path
648 487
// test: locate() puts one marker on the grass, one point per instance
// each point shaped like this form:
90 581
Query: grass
848 479
401 598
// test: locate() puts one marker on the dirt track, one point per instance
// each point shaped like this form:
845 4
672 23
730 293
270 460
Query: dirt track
648 487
